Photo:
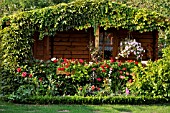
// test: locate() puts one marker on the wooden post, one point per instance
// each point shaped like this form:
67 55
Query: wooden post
115 45
155 45
52 46
46 48
97 37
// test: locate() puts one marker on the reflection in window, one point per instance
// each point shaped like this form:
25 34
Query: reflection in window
105 44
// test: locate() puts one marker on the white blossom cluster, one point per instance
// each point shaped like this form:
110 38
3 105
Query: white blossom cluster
129 46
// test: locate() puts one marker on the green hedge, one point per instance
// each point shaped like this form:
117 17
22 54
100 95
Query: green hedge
135 100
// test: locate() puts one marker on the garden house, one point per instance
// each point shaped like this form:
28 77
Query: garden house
65 30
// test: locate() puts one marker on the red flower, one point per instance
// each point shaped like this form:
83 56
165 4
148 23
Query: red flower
55 61
103 70
136 63
67 65
98 88
121 72
24 74
121 77
130 61
99 79
92 87
40 79
124 69
61 69
19 69
81 61
112 60
30 75
107 66
102 66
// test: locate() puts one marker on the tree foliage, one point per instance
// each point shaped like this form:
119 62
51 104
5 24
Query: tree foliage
13 6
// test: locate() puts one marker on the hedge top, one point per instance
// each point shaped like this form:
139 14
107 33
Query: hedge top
83 14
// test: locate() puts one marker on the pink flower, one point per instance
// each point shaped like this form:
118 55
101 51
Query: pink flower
92 87
130 80
81 61
127 91
99 79
98 88
24 74
121 77
65 60
19 70
93 69
112 60
120 63
80 88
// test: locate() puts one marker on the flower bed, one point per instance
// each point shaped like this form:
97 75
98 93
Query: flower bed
60 77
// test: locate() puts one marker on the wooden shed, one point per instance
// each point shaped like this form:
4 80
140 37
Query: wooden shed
103 19
73 44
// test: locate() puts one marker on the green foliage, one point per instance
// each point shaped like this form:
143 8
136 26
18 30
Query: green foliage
154 79
134 100
14 6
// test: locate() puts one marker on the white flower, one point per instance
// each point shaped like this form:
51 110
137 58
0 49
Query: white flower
53 59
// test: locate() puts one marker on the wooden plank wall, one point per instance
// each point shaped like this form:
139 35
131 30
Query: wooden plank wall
74 44
70 45
41 48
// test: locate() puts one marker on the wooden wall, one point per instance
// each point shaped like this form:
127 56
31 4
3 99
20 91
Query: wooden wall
74 44
71 45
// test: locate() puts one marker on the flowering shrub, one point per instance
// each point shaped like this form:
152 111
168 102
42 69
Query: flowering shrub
74 77
131 46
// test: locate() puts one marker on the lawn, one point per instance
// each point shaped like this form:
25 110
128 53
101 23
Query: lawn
20 108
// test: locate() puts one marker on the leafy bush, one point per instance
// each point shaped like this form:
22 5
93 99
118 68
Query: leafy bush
135 100
154 79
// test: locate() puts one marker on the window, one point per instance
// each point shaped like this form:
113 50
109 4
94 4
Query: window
108 44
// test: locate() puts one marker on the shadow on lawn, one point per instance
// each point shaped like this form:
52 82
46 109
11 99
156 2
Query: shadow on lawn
123 110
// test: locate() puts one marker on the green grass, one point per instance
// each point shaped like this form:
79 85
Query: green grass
22 108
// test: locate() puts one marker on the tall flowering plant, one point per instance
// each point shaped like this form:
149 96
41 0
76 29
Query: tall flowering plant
131 46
